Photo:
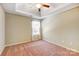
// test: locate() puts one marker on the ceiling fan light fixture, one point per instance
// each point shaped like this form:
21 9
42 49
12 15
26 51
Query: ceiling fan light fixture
38 5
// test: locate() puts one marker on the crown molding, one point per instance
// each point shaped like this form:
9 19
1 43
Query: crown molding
61 9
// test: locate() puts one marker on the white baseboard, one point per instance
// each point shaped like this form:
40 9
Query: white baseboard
19 43
2 50
16 43
64 46
45 40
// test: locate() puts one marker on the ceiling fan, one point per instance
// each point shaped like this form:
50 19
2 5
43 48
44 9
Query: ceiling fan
43 5
39 6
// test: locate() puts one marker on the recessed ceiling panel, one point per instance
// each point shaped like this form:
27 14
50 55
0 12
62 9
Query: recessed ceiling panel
31 9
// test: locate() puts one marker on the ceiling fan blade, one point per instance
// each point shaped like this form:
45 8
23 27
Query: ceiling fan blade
44 5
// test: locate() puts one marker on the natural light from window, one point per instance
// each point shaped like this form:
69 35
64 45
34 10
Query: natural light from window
35 27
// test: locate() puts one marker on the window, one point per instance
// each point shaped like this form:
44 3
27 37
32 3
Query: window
35 28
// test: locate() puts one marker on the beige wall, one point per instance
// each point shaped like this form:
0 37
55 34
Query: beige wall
18 29
63 29
2 29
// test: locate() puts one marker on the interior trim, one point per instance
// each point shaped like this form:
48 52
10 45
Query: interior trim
2 50
64 46
16 43
61 9
55 11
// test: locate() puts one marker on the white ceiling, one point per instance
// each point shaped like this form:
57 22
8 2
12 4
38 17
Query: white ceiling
30 9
